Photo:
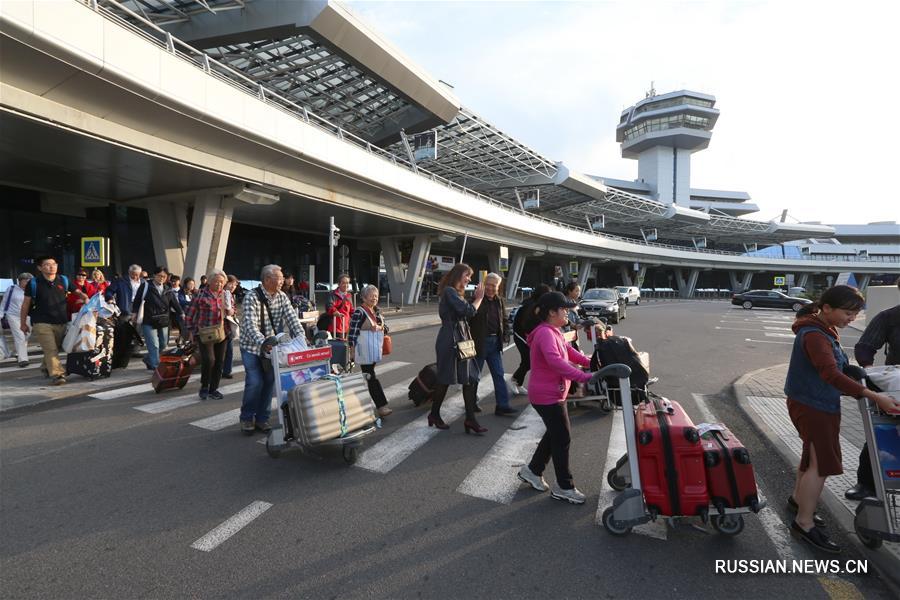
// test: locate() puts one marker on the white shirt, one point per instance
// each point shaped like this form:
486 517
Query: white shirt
15 296
134 287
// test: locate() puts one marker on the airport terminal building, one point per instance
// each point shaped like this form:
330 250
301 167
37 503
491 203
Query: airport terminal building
227 133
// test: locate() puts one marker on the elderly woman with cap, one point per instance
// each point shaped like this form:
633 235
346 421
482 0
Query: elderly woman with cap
10 310
552 370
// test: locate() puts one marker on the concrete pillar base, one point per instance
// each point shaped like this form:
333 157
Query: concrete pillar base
584 272
169 232
405 284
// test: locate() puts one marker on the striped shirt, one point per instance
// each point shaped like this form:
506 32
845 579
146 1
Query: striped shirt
280 311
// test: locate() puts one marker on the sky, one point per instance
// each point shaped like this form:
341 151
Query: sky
807 91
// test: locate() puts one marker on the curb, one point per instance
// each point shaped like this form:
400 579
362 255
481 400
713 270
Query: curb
888 567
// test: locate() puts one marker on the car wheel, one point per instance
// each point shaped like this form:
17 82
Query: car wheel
624 314
638 301
747 304
796 306
614 319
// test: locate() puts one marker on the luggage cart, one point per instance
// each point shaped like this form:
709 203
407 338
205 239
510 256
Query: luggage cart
302 367
878 519
629 509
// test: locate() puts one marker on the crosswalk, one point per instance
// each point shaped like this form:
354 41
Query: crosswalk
493 478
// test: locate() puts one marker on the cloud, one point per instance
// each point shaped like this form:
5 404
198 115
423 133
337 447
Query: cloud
805 89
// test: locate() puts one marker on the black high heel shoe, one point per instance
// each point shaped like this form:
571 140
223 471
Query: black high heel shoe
437 422
474 427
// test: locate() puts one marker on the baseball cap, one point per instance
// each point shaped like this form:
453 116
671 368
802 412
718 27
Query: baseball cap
554 301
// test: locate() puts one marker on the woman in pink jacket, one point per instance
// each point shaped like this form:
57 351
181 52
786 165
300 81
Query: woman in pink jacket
551 373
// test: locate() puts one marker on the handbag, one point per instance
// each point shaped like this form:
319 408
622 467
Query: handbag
465 345
212 334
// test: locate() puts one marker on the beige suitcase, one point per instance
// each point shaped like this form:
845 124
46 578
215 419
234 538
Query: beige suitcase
315 412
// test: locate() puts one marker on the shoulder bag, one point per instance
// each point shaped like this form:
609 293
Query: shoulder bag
213 334
465 345
387 344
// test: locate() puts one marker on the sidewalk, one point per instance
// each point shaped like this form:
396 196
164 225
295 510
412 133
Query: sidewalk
760 395
27 387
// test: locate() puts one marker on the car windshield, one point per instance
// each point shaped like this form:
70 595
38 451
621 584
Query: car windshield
622 290
597 294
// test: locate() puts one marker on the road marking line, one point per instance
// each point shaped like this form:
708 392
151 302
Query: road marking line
767 341
755 330
617 447
786 547
495 477
769 328
230 527
780 335
398 446
143 387
838 589
185 400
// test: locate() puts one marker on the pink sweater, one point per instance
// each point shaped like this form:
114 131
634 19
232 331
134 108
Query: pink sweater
551 365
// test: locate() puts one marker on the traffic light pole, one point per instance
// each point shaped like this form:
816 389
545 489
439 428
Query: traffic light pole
330 254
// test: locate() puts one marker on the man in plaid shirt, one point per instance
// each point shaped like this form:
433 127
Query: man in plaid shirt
258 325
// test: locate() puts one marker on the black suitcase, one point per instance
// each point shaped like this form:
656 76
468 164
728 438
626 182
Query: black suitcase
97 362
619 350
127 339
421 388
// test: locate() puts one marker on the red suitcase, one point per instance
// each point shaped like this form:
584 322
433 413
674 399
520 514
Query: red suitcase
670 460
174 370
729 472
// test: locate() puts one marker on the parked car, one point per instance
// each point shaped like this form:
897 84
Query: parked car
768 299
630 293
603 302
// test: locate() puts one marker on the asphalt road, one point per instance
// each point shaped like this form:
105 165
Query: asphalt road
102 500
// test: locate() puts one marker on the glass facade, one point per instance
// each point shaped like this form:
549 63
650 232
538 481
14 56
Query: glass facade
680 101
663 123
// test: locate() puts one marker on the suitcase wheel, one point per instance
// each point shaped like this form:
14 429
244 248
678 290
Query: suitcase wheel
271 450
615 482
351 453
613 526
727 524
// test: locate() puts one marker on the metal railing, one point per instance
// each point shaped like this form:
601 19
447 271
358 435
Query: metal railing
225 73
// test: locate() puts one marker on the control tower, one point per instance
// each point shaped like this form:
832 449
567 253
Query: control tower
661 132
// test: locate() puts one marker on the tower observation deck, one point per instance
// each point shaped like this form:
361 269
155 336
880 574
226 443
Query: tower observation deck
661 132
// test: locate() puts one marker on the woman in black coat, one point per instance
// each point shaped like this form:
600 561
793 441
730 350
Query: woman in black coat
453 309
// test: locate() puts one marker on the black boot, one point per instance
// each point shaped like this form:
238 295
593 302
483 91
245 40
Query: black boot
437 399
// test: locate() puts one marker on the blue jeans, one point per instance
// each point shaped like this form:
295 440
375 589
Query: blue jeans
258 388
493 356
156 340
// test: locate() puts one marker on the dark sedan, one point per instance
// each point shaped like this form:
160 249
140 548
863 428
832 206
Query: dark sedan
768 299
606 303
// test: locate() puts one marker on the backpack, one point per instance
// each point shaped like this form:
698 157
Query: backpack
618 349
32 287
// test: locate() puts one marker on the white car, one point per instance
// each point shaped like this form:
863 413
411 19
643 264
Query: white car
629 293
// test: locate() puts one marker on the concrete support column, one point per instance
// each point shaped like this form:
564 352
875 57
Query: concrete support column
493 262
748 279
584 272
415 272
405 284
686 286
169 232
733 280
390 250
641 274
864 282
514 276
626 274
208 239
802 279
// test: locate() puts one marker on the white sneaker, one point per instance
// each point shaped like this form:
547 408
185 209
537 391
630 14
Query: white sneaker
519 390
535 481
573 495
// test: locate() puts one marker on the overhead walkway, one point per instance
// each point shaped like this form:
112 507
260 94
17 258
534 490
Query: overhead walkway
98 83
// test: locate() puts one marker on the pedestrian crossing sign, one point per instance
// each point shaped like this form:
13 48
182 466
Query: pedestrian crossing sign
779 280
94 252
